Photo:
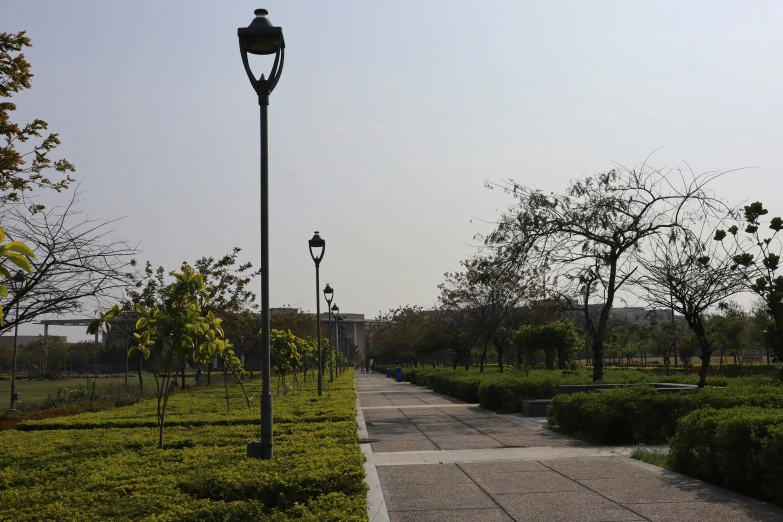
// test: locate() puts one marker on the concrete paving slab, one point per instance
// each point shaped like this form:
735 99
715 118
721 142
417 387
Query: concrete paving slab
436 497
519 466
422 444
526 482
451 515
427 474
465 442
705 512
596 468
418 481
564 506
643 490
406 458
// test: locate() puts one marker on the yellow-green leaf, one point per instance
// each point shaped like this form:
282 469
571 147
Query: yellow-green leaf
18 246
19 261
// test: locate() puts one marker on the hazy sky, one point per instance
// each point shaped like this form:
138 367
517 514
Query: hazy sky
388 119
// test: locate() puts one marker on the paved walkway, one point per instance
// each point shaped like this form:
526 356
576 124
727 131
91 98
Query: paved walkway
434 458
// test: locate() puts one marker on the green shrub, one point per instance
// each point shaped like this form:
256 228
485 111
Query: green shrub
643 415
737 448
505 391
105 466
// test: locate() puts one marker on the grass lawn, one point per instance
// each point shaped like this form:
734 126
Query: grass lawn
656 456
106 466
34 392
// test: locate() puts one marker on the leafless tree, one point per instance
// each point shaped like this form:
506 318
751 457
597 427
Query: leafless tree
587 236
690 273
79 262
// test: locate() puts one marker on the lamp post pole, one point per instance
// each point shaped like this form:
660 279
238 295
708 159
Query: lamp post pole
335 313
328 295
338 332
18 279
315 243
262 38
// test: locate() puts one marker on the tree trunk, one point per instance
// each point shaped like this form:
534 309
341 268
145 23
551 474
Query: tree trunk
483 357
141 380
456 360
500 357
549 358
561 357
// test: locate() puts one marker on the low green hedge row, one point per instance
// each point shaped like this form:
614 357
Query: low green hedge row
505 391
738 448
110 468
643 415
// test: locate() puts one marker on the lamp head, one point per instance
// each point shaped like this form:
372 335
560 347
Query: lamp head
328 293
317 248
262 38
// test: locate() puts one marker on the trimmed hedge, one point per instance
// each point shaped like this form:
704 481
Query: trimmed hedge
105 465
738 448
643 415
505 391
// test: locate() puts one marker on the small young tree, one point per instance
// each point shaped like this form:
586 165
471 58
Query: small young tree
728 329
175 332
757 260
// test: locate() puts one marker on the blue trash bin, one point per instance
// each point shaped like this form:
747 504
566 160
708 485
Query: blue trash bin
399 374
388 372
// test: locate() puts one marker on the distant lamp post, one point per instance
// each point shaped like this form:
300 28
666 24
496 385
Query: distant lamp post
126 309
345 345
339 332
329 295
317 249
16 285
262 38
335 313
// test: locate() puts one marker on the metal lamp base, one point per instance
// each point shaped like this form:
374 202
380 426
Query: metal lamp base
257 450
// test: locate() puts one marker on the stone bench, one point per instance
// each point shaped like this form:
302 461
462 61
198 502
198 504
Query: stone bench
566 389
535 408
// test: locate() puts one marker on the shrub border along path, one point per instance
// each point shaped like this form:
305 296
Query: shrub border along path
105 466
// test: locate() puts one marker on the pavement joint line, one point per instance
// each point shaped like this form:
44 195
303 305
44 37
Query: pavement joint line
376 504
478 430
417 427
486 493
395 391
543 463
417 406
498 454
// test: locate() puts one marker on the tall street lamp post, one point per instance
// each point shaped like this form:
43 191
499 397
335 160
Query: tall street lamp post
320 247
329 295
17 282
262 38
